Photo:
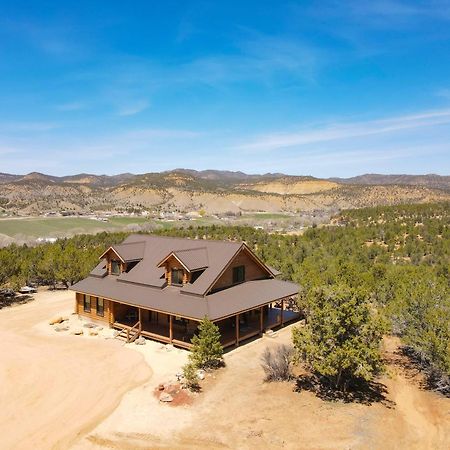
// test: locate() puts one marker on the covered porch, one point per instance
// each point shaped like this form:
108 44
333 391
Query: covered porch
134 321
155 325
255 322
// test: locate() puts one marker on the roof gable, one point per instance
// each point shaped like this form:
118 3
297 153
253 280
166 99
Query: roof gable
213 257
191 259
132 251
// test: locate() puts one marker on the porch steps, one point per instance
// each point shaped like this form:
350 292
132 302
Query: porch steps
128 334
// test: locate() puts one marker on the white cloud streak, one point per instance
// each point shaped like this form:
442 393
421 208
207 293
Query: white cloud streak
341 131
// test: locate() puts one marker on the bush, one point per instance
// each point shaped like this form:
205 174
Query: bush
190 377
276 363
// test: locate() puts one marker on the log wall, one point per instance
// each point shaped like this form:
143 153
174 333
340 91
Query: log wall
92 315
253 270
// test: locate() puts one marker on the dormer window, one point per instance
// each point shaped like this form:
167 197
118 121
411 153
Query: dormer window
115 267
238 274
177 277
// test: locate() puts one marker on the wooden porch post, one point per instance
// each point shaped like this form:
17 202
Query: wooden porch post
261 320
140 320
282 309
237 329
171 328
112 307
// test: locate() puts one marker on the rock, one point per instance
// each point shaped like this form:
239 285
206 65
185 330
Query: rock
56 320
165 397
200 374
169 347
140 341
160 387
59 328
90 325
77 332
93 333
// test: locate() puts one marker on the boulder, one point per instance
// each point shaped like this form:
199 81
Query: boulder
165 397
200 374
77 332
93 333
56 320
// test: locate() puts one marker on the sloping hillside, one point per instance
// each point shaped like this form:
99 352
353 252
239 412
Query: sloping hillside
215 192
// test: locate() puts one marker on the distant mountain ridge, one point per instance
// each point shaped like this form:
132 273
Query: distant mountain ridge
431 180
434 180
214 191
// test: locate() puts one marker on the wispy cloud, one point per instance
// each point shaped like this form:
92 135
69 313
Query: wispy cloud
341 131
133 108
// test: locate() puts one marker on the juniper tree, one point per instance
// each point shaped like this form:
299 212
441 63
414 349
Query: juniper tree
206 351
341 340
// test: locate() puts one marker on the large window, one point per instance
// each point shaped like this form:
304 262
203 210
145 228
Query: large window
87 303
100 307
115 267
238 274
177 277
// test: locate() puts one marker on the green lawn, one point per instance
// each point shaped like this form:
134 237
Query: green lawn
58 226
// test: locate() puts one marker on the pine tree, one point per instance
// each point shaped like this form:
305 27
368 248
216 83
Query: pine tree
206 351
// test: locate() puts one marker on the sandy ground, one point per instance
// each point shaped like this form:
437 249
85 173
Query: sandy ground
55 388
76 392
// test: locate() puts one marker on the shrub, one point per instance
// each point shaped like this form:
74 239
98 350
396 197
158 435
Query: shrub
190 377
276 363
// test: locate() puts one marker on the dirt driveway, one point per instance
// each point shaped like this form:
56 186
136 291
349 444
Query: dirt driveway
71 392
54 389
237 410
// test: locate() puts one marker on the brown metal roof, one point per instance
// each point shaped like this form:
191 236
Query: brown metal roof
191 258
155 248
145 284
170 300
248 295
131 251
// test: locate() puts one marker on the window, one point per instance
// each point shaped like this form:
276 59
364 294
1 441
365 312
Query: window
115 267
238 274
87 303
100 307
177 276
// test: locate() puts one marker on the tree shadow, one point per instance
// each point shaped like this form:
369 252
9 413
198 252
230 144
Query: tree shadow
358 390
16 300
413 364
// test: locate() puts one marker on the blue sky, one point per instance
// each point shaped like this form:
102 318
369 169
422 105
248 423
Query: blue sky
325 88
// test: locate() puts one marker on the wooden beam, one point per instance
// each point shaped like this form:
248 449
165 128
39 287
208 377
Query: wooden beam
237 330
171 328
140 320
112 308
282 310
261 320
